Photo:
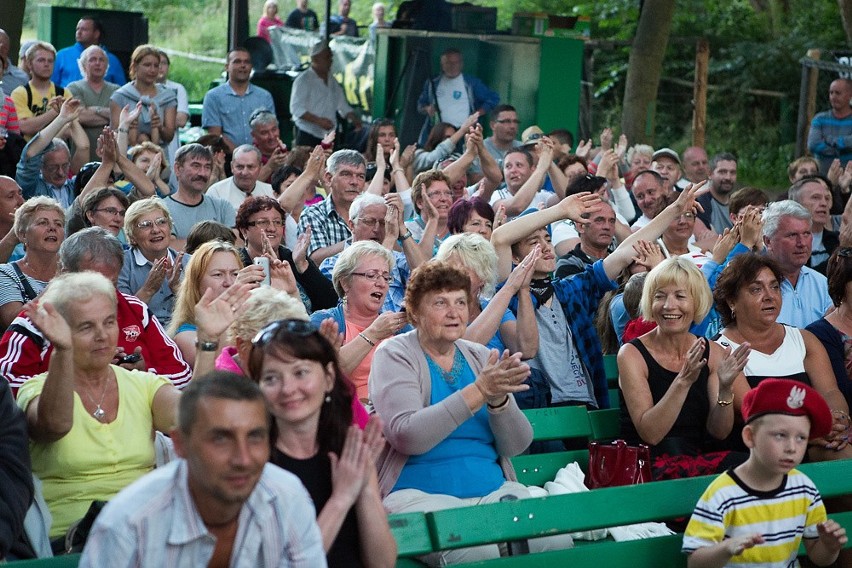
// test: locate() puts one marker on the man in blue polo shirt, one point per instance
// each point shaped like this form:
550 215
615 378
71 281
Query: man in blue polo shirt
228 107
90 31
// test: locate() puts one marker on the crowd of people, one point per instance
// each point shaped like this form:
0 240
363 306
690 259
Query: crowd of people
185 324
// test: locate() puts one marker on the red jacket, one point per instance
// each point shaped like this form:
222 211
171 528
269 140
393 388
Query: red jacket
24 351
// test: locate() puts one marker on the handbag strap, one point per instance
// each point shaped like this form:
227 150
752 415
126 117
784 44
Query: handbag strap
27 291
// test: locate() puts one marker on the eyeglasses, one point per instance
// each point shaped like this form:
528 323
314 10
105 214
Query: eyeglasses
370 222
533 137
508 121
265 223
685 217
434 194
845 252
159 221
302 328
113 211
374 275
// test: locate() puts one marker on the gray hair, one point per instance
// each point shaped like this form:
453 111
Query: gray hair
58 144
247 148
88 244
721 157
475 253
72 288
795 191
262 117
642 149
140 208
775 212
193 150
25 213
84 58
344 158
362 201
351 256
265 304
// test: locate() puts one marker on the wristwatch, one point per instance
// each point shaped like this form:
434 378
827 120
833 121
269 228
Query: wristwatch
206 345
406 236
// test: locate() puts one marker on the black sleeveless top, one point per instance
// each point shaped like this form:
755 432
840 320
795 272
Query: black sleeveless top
315 475
688 434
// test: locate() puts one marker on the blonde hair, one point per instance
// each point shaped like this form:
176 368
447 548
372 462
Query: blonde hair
139 209
349 258
140 53
265 305
25 213
190 292
475 253
680 271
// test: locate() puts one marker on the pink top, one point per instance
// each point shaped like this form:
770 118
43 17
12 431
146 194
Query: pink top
226 362
263 25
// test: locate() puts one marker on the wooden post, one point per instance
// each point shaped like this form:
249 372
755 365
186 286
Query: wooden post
813 79
699 94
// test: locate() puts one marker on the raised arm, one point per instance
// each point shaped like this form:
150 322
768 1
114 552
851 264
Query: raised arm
517 204
504 236
69 112
295 194
622 256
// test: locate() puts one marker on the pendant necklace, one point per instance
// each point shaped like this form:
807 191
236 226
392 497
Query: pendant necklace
99 413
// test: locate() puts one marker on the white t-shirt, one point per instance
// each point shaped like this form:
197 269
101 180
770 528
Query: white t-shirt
452 100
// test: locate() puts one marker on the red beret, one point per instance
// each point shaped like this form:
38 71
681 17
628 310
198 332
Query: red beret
783 396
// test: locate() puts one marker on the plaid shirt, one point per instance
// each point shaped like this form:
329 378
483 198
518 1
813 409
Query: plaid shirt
579 296
327 227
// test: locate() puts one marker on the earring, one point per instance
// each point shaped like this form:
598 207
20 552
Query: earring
327 398
733 313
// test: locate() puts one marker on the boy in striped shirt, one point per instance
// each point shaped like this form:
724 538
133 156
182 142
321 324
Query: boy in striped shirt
757 513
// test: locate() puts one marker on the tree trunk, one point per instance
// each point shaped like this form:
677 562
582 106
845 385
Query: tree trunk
846 18
644 69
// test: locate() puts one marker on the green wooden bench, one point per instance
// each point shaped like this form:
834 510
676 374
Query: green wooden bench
559 423
412 537
658 501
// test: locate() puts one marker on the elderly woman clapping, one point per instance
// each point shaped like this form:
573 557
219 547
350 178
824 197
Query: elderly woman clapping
451 420
361 277
152 270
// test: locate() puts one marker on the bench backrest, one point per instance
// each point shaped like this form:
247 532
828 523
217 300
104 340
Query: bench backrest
559 423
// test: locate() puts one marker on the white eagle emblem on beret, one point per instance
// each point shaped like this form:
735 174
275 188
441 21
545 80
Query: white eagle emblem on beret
796 398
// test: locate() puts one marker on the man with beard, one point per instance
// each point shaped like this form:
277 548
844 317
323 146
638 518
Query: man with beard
227 108
188 205
830 135
715 218
374 218
813 193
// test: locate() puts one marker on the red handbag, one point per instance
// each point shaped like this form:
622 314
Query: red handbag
611 465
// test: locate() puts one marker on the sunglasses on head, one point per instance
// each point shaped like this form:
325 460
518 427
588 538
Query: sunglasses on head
301 328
